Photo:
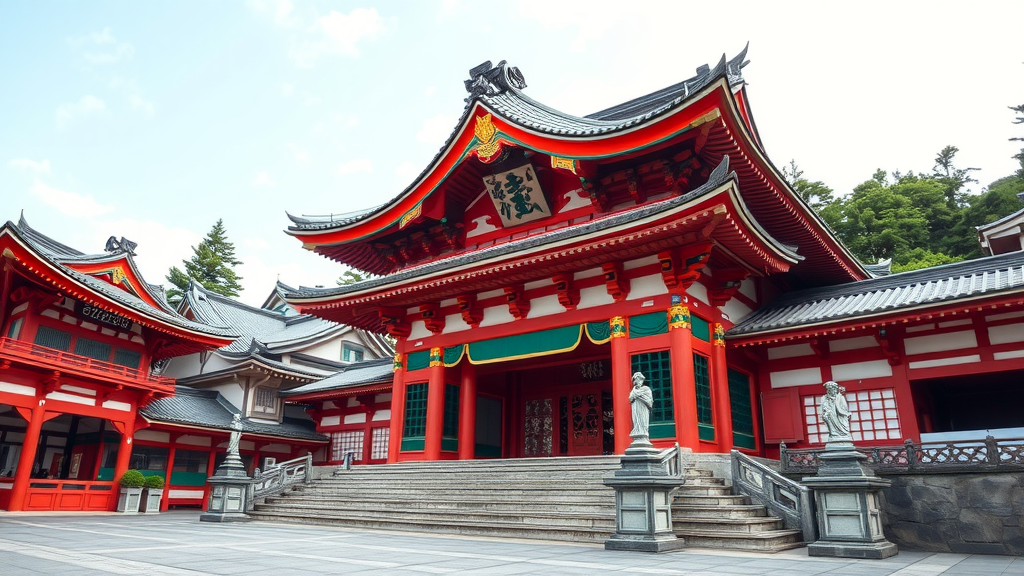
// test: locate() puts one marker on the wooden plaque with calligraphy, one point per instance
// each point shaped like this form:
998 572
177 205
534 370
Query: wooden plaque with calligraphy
517 196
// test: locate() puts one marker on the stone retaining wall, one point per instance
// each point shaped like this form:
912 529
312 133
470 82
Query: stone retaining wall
962 513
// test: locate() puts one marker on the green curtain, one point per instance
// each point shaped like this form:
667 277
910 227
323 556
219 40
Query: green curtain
417 360
527 345
648 324
599 332
453 355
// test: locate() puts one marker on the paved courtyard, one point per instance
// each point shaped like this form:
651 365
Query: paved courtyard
177 544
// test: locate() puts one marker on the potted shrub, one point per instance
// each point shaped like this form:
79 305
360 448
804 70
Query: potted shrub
151 497
131 492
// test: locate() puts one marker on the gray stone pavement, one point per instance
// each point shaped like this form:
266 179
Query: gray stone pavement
177 544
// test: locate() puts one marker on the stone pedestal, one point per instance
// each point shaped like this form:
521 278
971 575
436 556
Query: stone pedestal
846 496
643 502
229 490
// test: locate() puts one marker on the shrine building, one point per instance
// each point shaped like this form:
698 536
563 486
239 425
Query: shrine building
80 335
541 258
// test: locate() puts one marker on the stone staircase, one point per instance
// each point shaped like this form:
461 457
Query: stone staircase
545 498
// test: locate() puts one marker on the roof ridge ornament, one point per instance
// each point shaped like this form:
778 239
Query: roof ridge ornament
489 80
122 245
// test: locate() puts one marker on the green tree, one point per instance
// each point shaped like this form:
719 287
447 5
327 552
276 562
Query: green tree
952 179
1019 157
816 194
351 276
212 265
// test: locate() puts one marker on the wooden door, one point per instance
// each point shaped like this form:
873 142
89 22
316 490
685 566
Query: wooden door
585 427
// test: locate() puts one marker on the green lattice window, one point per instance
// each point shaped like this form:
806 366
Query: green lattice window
451 411
701 378
742 411
129 358
53 338
92 349
657 368
415 411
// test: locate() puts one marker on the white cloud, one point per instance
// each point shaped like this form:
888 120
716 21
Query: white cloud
102 48
85 106
430 90
356 166
280 11
287 89
301 155
436 130
70 203
263 179
406 171
346 120
132 91
312 100
26 164
335 33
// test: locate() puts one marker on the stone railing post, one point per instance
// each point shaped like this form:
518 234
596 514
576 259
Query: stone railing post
991 450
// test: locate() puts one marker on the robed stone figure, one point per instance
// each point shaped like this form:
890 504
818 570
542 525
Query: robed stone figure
236 434
836 413
641 400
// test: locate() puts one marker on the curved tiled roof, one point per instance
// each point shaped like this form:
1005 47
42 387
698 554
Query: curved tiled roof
509 102
359 374
989 276
58 255
719 176
209 409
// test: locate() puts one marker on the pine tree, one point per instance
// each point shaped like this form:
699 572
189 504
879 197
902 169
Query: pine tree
212 265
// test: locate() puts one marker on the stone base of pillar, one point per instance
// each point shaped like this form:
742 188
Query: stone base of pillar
643 502
870 551
229 493
847 507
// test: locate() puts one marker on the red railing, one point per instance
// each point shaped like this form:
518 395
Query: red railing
70 496
36 354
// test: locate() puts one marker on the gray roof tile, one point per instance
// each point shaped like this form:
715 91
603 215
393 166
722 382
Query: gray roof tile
931 286
358 374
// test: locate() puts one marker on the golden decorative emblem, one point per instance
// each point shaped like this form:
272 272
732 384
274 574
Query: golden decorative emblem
678 317
436 357
618 327
487 136
719 335
565 163
410 216
117 275
398 363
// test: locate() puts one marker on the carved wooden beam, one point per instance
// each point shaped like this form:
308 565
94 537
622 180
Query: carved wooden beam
432 318
820 347
103 395
725 285
596 193
618 287
681 267
51 383
471 314
518 304
390 254
889 347
394 322
635 187
568 295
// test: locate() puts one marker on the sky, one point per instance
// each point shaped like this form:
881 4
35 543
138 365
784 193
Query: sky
152 120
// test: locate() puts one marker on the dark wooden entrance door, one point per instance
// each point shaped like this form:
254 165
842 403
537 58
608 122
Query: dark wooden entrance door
585 424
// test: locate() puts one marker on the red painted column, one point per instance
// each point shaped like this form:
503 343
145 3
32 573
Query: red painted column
124 449
684 387
27 457
467 412
622 419
720 401
435 406
397 409
167 479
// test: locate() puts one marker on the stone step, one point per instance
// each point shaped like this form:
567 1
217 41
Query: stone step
682 511
542 532
439 518
769 541
441 491
749 525
693 490
590 506
554 481
713 500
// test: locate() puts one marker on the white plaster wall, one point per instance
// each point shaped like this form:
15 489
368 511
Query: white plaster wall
941 342
749 289
330 421
790 351
545 306
698 291
380 415
355 418
800 377
1006 333
454 323
588 273
594 296
861 370
329 350
495 315
232 392
858 343
736 311
630 264
646 286
153 436
418 330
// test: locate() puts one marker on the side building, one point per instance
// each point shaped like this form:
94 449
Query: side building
83 339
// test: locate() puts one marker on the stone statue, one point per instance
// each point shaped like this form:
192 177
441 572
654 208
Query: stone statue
836 413
236 434
641 400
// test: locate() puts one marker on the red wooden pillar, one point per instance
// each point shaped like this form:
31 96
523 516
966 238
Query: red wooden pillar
622 419
720 401
397 409
467 412
167 479
28 454
684 387
124 449
435 406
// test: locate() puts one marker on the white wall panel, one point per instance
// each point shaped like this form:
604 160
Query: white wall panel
800 377
941 342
